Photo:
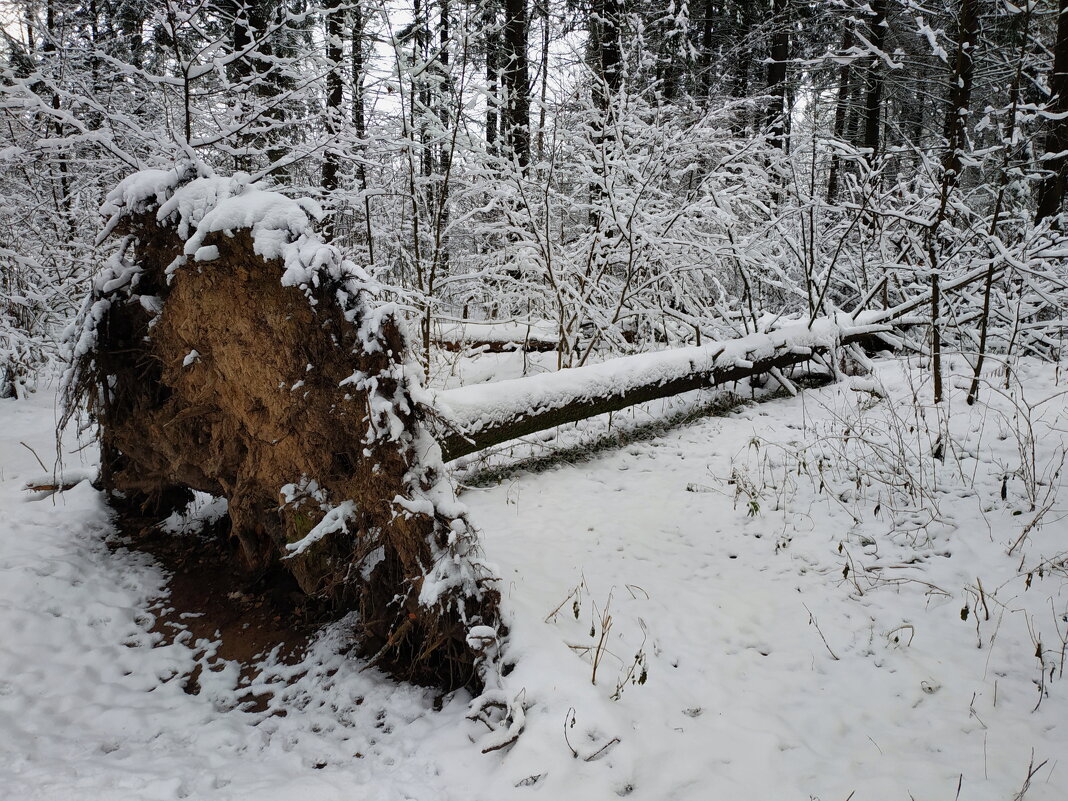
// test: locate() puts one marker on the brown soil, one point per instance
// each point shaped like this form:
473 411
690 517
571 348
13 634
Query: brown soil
248 614
244 615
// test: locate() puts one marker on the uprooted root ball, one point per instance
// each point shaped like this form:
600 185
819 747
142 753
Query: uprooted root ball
294 403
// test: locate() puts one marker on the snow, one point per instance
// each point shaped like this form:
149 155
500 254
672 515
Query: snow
335 520
140 191
188 204
205 510
281 227
925 30
795 609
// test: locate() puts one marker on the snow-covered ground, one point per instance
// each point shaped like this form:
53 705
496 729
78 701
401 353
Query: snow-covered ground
808 598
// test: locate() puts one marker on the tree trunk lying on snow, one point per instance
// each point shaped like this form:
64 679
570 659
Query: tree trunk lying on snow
226 349
483 415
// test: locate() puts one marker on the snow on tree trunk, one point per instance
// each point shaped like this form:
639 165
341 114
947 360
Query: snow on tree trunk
226 349
483 415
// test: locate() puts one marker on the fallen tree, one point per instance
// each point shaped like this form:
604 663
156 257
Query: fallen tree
483 415
226 349
480 416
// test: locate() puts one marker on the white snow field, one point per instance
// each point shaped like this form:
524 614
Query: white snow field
850 594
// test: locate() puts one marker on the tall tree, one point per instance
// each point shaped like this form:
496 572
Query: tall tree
515 81
873 105
955 135
778 109
335 98
955 130
357 50
1052 190
841 109
491 36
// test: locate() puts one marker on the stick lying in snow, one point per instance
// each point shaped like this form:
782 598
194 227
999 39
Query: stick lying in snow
496 337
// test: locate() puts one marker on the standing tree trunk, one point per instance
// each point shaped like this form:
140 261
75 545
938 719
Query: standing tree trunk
608 56
492 39
334 100
1051 192
873 104
780 54
543 7
936 338
61 189
955 134
260 80
605 54
358 23
515 80
841 109
960 96
706 60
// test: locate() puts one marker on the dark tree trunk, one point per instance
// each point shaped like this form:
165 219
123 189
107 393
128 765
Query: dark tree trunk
61 194
606 56
955 134
610 51
960 94
1051 192
544 8
547 415
334 101
780 54
873 104
359 118
251 21
841 110
516 82
706 62
492 37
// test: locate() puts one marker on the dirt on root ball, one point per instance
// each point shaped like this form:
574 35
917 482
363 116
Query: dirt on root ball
246 615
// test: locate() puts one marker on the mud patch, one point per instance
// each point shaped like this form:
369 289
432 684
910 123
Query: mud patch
248 617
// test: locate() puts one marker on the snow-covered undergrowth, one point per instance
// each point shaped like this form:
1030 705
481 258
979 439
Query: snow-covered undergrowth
847 592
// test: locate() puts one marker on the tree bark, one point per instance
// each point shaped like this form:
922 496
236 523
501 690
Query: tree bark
840 113
780 54
492 38
873 105
457 444
960 94
359 119
516 80
334 100
607 25
1051 192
